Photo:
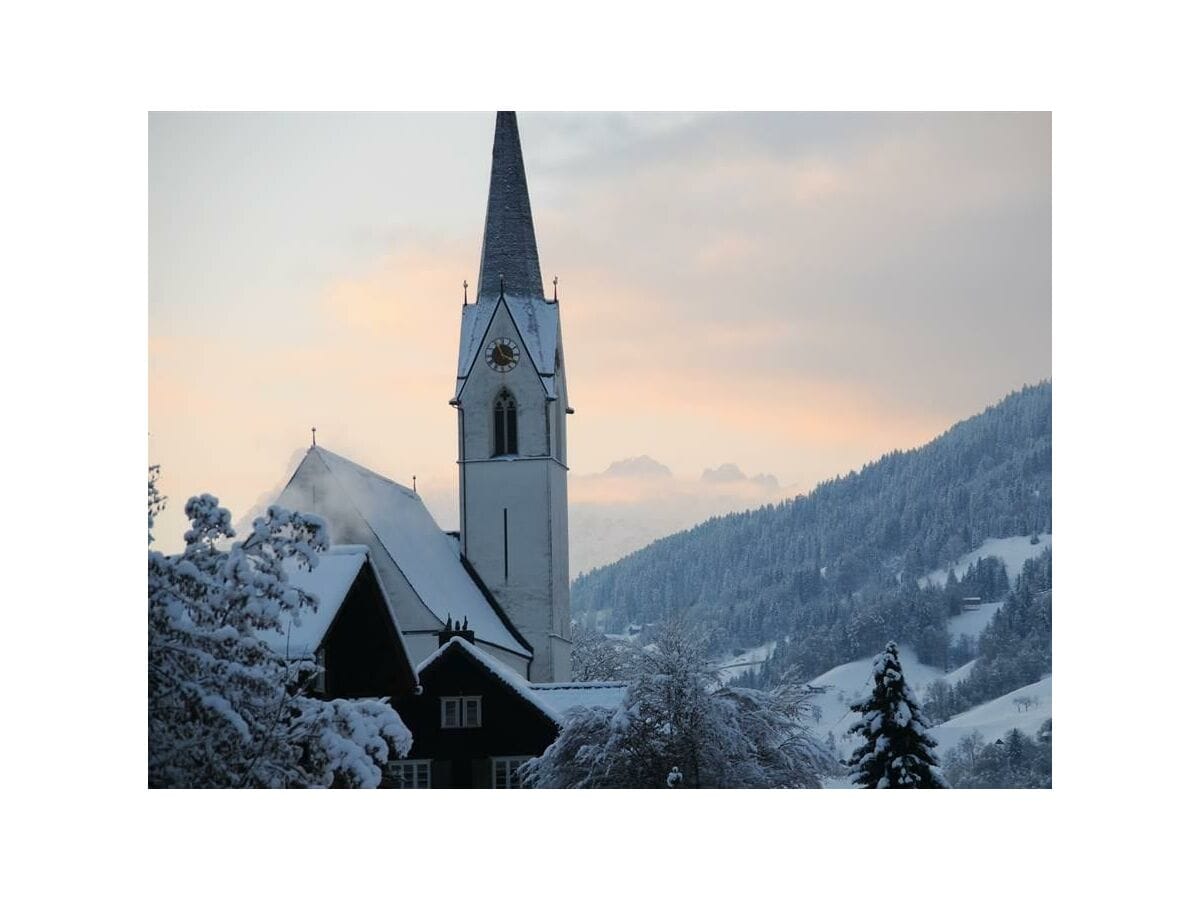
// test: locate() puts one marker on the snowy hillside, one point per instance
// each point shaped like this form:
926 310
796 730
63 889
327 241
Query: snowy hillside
785 568
849 682
994 718
1012 551
749 660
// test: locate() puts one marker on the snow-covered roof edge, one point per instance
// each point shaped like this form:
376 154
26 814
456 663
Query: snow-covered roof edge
497 668
392 616
576 685
325 618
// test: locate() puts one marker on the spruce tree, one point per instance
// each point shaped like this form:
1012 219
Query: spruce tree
898 751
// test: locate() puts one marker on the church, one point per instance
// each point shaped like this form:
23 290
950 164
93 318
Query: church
481 614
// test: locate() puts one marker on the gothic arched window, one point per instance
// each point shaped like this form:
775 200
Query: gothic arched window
504 425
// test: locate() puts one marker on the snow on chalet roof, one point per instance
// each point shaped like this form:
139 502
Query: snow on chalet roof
329 582
536 320
564 696
497 668
420 549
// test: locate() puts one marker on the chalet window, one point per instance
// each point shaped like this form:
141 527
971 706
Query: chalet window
504 425
462 712
504 771
409 773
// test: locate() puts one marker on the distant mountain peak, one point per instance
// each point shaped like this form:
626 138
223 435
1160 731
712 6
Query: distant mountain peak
724 472
727 473
638 467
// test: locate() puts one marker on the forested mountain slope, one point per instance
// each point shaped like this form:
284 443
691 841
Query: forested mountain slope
839 567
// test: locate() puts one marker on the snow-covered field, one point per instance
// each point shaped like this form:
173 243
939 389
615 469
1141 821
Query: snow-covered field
972 621
1013 551
848 682
732 666
994 718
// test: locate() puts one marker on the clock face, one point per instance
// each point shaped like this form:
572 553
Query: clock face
502 355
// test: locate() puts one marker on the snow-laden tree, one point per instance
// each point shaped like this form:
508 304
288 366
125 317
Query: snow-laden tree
225 710
897 751
596 658
675 714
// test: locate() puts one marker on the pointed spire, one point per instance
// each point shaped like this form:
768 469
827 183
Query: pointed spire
509 246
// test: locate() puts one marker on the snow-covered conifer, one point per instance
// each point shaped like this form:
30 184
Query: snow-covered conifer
225 710
897 751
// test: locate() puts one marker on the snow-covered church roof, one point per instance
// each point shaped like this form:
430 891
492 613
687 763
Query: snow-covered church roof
426 556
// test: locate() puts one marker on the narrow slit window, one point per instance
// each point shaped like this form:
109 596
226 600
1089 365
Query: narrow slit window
504 425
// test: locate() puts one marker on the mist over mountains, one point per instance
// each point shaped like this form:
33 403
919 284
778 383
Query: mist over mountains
636 501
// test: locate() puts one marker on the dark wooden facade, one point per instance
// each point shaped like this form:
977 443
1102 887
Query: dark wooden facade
363 652
510 726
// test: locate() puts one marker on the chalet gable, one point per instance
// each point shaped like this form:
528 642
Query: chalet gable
352 632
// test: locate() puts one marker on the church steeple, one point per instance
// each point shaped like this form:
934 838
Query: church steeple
509 247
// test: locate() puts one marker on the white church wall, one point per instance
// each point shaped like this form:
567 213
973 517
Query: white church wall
525 565
483 386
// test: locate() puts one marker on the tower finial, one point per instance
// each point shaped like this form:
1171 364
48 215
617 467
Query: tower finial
464 292
414 484
502 287
555 288
314 431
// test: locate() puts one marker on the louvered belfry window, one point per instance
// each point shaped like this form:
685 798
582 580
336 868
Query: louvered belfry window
504 425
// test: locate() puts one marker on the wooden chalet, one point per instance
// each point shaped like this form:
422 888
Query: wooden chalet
352 632
475 720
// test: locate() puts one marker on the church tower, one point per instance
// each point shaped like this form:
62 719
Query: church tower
511 400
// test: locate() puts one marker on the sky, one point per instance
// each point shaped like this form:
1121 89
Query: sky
794 294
